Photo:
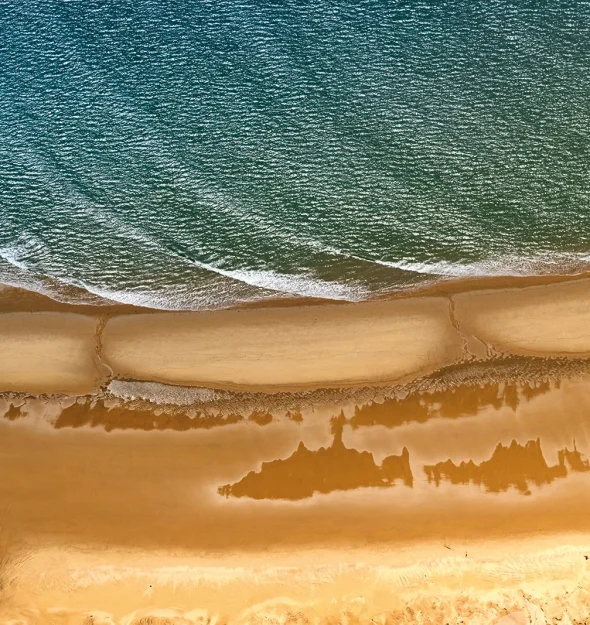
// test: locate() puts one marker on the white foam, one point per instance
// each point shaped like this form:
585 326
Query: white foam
173 298
502 266
278 283
9 254
17 273
25 246
162 393
303 285
306 285
266 283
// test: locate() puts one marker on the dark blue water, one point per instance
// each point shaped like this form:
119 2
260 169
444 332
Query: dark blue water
185 154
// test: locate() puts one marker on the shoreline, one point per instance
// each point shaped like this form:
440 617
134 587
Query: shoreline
58 348
20 299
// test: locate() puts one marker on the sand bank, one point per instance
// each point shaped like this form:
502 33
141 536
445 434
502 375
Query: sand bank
551 320
297 347
49 353
285 348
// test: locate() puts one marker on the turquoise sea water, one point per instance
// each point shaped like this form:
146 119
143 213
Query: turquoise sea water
195 154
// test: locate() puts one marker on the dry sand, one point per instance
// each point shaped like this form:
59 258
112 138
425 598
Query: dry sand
285 347
48 352
545 320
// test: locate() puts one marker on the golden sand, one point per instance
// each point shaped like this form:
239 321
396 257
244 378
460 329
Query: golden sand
466 510
285 348
464 504
545 320
290 348
48 352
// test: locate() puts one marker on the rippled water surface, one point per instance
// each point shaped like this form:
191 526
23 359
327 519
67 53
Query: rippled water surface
196 154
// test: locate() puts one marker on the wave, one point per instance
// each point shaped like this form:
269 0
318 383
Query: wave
17 273
270 283
178 297
290 284
223 287
508 266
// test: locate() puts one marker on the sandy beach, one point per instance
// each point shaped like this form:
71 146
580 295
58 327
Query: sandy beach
293 348
420 459
294 313
123 525
45 352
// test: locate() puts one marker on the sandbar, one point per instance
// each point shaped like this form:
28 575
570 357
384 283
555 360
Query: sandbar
291 348
550 320
285 348
45 352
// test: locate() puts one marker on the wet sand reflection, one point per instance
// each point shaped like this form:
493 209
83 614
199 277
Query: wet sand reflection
452 403
100 414
515 466
328 469
301 480
96 414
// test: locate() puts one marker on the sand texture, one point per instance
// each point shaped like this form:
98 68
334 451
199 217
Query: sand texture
435 470
296 347
49 353
548 320
469 509
285 348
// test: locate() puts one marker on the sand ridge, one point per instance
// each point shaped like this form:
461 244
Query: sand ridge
292 348
285 348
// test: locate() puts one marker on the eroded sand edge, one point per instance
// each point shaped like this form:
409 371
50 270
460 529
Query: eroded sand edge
298 348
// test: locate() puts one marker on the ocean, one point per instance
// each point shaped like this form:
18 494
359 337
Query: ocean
200 154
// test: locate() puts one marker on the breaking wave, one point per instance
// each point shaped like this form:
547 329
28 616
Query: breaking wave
221 287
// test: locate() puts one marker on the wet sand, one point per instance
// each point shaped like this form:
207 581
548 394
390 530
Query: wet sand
469 510
293 348
412 460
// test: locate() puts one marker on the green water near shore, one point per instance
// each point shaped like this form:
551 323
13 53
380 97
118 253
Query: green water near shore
195 155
